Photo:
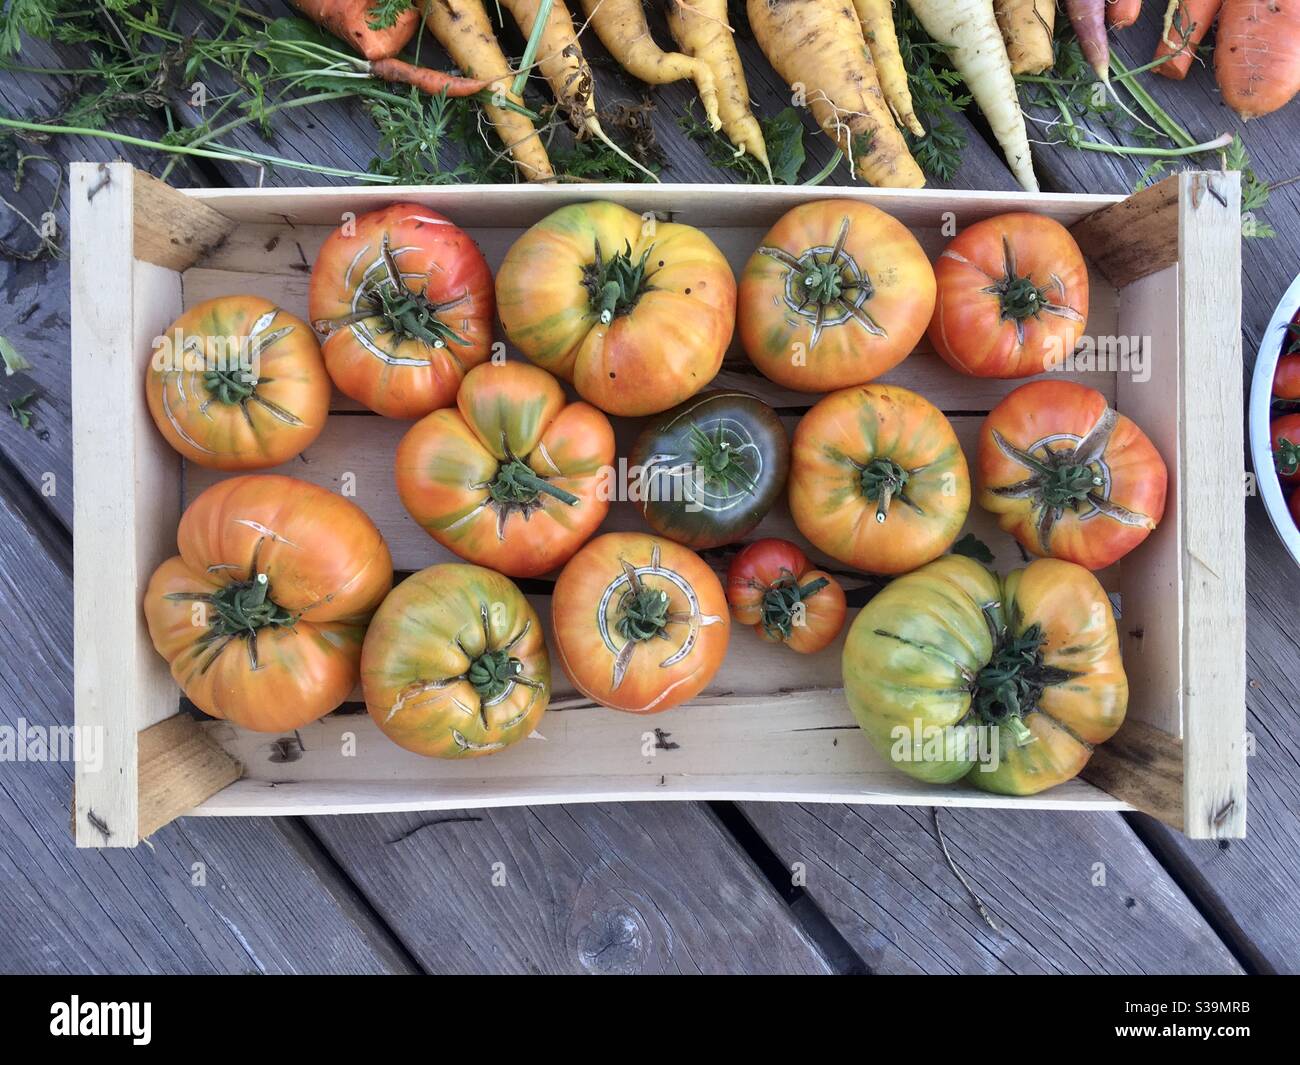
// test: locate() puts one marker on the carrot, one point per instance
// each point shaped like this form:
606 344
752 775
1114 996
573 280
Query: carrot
702 31
350 20
462 28
1257 55
877 18
622 28
565 68
969 31
1088 17
1122 13
1026 27
818 48
1185 25
434 82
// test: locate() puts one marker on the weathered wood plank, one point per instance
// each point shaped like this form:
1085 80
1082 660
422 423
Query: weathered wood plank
629 888
1070 893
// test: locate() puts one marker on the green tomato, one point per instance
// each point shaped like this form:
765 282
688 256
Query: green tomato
711 468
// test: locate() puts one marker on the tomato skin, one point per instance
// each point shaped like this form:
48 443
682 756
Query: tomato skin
1063 415
401 376
914 655
1295 507
662 349
591 597
419 654
446 460
697 507
771 564
327 568
861 427
776 322
280 398
1286 378
1285 432
968 328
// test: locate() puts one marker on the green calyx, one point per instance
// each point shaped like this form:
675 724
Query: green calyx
823 281
615 285
644 614
1286 457
1009 687
782 604
1068 485
1020 298
242 608
882 479
492 672
717 462
229 386
517 484
412 315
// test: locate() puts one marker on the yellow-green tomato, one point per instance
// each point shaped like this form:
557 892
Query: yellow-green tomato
1008 683
454 664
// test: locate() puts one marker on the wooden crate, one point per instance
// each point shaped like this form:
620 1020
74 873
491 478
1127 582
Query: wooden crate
773 725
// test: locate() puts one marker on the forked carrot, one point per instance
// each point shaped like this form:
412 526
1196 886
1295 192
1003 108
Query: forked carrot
1257 54
1185 25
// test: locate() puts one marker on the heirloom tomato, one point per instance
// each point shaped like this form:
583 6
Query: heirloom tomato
404 300
710 469
635 313
1008 683
238 384
877 479
455 664
772 586
1068 476
837 293
1013 297
262 614
511 477
1285 432
640 623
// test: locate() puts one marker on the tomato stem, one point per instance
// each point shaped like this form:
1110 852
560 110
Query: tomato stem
782 602
1012 682
492 672
881 480
718 462
644 614
614 286
241 608
516 483
229 386
1287 457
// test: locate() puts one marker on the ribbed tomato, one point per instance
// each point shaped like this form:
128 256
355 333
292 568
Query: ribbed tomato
262 614
1013 297
455 664
1285 432
1008 683
878 479
640 622
238 384
1068 476
634 312
837 293
772 586
512 477
404 300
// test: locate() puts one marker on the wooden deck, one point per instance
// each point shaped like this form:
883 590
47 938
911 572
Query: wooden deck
666 887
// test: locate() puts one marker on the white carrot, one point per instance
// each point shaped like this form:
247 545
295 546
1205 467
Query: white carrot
969 31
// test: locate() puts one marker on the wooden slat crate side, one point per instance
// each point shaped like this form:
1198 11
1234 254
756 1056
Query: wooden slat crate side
1213 506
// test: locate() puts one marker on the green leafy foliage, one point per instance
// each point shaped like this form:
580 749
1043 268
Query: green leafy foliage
782 134
1254 192
972 546
385 13
936 92
20 409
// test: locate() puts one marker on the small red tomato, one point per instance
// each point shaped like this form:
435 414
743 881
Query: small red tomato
772 586
1295 507
1286 378
1286 447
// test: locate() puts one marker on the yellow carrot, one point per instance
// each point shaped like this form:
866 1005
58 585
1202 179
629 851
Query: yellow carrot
1026 27
701 30
462 27
622 28
818 48
877 17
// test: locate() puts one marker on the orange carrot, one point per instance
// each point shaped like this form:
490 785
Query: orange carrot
1257 54
434 82
1121 13
1185 26
350 20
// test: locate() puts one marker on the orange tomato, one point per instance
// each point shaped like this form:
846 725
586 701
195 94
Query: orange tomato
404 300
772 586
512 477
1013 297
838 293
640 622
636 314
455 664
262 614
877 479
1068 476
238 384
